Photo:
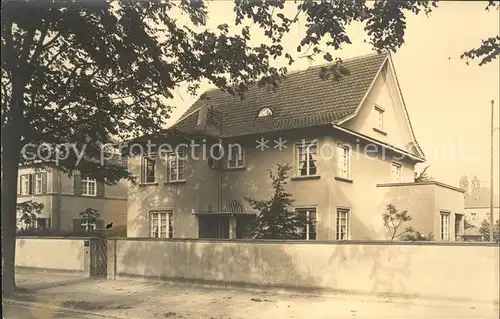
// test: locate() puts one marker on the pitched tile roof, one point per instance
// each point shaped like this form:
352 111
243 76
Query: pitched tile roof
302 100
472 231
481 199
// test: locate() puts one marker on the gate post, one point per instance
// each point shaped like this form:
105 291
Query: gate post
87 260
111 269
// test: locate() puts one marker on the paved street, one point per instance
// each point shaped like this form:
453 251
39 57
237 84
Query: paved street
11 311
147 300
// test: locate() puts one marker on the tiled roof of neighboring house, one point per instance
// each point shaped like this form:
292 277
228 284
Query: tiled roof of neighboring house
481 199
472 231
303 99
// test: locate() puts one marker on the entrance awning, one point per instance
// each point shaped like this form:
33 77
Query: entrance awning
232 208
204 213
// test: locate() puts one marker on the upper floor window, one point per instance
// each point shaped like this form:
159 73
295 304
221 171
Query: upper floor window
342 224
445 226
379 118
148 169
161 224
89 187
343 161
111 149
265 112
236 157
306 159
38 183
474 216
396 172
309 214
25 184
176 165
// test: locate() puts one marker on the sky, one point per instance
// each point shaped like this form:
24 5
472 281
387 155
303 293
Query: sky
448 101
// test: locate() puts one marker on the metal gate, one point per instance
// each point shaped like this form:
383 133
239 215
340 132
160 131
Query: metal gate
99 260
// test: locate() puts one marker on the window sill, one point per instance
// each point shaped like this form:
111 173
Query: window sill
89 195
301 178
240 168
175 182
31 195
148 184
379 131
342 179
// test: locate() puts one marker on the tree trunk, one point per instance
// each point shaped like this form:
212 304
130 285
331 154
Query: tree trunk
11 144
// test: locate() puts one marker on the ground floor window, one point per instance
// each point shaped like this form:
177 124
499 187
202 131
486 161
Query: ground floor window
342 224
43 223
309 213
38 223
87 225
161 224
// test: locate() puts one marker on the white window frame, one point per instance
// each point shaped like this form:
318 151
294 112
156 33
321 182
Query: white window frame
308 210
144 169
343 167
380 118
159 219
86 189
444 229
25 184
342 214
399 171
178 158
306 147
237 162
38 184
87 226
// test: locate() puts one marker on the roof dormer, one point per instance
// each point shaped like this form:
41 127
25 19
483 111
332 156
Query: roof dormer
264 112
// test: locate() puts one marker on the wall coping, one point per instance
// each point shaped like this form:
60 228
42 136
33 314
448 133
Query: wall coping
308 242
57 237
422 184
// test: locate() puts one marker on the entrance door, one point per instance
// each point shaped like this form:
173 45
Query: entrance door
243 224
213 226
459 220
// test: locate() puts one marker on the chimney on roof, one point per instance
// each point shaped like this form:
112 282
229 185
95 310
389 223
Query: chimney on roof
201 124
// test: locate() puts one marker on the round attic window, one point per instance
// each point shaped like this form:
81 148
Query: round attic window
265 112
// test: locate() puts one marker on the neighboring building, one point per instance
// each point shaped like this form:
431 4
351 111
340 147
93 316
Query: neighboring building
473 234
64 198
477 207
342 191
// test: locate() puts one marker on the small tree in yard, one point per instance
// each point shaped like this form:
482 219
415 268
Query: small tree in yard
485 230
394 220
276 220
28 211
89 217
